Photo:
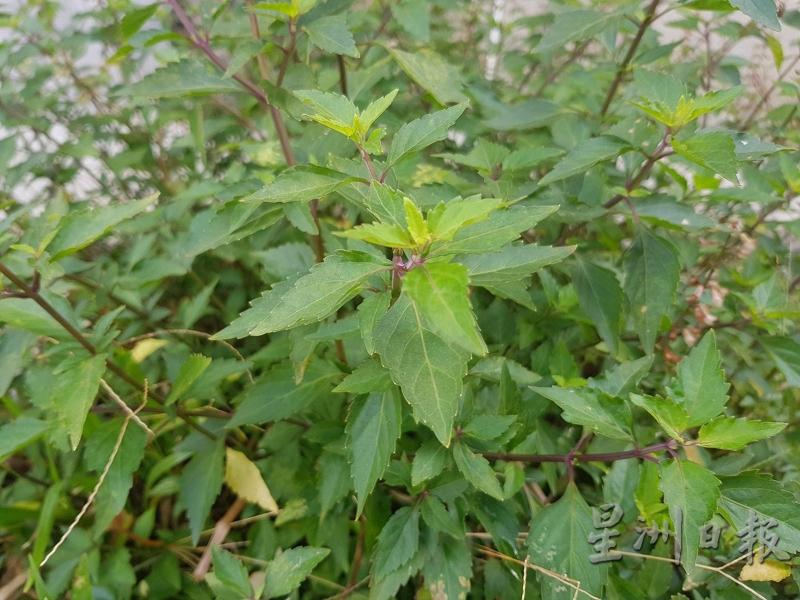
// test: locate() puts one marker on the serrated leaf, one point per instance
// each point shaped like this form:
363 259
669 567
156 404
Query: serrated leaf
184 78
786 354
372 432
449 570
601 298
380 234
477 470
428 462
370 312
441 291
652 271
422 132
19 433
301 184
499 229
448 218
75 393
425 366
26 314
332 34
191 369
245 480
512 263
290 568
558 540
602 414
397 542
670 416
82 227
571 26
691 493
367 377
759 494
763 12
277 396
200 484
705 390
432 73
230 578
583 157
728 433
712 150
313 296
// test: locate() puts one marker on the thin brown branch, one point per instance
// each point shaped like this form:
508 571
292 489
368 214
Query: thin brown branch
221 530
659 153
648 19
748 122
575 457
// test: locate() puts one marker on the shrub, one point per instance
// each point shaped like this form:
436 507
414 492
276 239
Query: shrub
399 299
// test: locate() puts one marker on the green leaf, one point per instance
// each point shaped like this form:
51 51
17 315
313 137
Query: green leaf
417 226
584 157
728 433
432 73
276 396
133 20
529 114
422 132
372 432
191 369
316 295
441 291
513 263
428 462
489 427
623 378
759 494
425 366
200 484
705 390
290 568
601 298
184 78
82 227
370 312
477 470
380 234
47 515
19 433
763 12
712 150
332 35
558 540
652 271
397 542
691 493
449 570
447 218
114 492
602 414
367 377
786 354
26 314
573 26
75 392
375 109
500 228
670 416
437 517
229 580
301 184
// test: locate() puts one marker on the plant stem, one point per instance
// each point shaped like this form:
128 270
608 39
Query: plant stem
649 17
572 458
33 294
659 153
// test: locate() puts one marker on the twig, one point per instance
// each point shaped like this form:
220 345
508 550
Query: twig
597 457
221 530
342 74
127 409
765 97
527 564
659 153
648 19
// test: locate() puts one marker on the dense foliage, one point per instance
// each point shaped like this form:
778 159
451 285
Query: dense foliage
400 299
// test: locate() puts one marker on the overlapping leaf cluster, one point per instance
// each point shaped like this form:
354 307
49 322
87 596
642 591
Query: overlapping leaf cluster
330 299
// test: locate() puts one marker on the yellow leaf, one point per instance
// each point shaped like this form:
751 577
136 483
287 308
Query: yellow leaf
244 478
768 570
145 348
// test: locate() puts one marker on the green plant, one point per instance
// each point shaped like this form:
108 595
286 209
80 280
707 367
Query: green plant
399 299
